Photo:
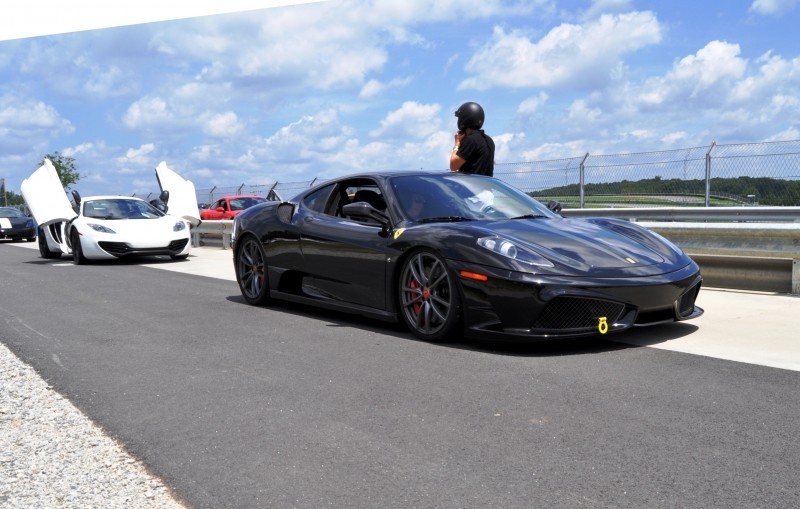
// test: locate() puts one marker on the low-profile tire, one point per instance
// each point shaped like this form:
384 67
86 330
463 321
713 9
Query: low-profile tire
44 249
251 271
430 304
78 258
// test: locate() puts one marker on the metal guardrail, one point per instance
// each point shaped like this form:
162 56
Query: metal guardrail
746 248
751 214
213 233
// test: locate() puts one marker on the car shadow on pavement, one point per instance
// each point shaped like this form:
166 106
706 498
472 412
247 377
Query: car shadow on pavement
633 338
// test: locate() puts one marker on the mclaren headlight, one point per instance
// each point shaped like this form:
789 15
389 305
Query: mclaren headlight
100 228
180 225
511 249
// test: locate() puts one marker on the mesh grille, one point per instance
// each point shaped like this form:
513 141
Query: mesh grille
285 211
686 303
577 313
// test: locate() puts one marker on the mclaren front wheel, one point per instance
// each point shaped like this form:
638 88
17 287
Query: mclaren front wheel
44 249
78 258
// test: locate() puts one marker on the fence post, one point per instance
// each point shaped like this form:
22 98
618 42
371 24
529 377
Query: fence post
583 177
708 173
211 196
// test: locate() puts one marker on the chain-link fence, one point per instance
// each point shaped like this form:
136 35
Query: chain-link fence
745 174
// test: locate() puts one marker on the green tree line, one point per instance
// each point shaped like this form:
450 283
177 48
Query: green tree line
761 190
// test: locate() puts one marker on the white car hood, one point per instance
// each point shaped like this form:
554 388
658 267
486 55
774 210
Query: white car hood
182 194
45 196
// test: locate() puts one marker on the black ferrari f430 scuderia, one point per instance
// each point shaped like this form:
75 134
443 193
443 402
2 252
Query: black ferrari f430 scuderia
456 255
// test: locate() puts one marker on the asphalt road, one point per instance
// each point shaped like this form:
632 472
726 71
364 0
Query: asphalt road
288 406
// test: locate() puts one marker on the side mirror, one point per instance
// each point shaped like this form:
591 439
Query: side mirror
363 210
77 198
220 209
164 197
554 206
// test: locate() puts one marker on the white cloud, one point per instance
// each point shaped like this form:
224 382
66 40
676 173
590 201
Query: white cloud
411 120
531 104
223 125
772 7
374 87
26 115
83 148
674 137
568 55
708 75
146 111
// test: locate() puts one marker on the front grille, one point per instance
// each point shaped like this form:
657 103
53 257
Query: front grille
178 245
115 248
570 313
123 249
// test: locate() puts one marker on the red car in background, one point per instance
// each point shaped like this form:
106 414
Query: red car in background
228 206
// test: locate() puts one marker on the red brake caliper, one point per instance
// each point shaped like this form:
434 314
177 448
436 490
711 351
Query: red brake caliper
425 294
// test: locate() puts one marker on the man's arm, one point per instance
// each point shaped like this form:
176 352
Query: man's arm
456 162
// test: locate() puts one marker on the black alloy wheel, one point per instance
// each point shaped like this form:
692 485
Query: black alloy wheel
251 271
429 301
78 257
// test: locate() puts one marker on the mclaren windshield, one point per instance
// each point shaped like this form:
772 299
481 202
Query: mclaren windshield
120 208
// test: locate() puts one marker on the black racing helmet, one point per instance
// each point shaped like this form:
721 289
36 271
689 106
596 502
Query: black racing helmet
470 115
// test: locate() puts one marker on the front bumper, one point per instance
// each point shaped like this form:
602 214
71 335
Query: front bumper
526 307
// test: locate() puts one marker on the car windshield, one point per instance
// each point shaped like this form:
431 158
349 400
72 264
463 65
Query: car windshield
245 202
10 212
120 208
460 197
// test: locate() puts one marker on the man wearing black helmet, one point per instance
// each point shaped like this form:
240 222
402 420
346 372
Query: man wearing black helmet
474 150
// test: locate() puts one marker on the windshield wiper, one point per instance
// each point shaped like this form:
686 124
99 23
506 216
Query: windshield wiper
445 219
530 216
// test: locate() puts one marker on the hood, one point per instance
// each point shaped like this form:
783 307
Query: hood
600 247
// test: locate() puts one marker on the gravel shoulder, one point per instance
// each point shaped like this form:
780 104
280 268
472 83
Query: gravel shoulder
53 456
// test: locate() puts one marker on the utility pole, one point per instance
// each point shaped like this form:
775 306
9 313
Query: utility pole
3 189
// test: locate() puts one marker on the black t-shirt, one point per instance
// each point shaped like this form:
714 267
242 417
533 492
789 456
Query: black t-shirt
477 150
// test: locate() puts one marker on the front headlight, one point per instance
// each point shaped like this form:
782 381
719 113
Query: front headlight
510 249
180 225
100 228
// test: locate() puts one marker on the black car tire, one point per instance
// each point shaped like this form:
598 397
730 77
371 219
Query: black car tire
251 271
44 249
430 304
78 257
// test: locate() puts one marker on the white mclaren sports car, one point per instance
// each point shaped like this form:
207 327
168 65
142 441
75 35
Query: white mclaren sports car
109 227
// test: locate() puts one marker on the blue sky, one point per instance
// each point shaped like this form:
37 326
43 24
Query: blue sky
317 90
